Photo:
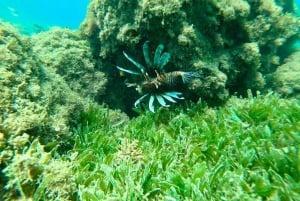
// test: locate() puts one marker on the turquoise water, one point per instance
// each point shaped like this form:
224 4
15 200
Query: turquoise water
297 44
32 16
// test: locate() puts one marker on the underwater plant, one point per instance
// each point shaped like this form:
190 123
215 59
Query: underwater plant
246 150
162 86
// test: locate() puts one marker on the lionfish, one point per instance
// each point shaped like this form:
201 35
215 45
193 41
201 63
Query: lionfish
161 86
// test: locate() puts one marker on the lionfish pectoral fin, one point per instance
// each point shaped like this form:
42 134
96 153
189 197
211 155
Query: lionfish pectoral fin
174 94
161 100
151 105
169 98
130 84
138 101
187 77
128 71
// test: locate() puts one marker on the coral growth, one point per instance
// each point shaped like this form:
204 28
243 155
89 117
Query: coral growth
235 42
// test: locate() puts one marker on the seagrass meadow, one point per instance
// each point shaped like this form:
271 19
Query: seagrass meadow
70 131
246 150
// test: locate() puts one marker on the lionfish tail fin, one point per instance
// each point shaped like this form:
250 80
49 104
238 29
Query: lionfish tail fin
187 77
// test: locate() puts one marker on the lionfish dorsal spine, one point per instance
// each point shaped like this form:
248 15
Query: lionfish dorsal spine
138 65
157 54
128 71
164 59
146 54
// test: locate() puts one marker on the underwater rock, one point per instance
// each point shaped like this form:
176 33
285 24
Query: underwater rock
237 38
19 84
286 79
35 175
70 57
46 82
38 91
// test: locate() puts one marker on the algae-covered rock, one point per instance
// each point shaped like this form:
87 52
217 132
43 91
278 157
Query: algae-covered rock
286 79
70 57
19 83
244 40
46 82
44 86
35 175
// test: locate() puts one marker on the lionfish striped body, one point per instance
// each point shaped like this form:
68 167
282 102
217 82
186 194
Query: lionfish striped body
167 81
162 86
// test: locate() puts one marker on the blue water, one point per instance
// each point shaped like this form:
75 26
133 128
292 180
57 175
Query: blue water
32 16
37 15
